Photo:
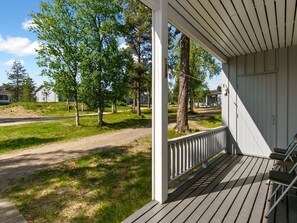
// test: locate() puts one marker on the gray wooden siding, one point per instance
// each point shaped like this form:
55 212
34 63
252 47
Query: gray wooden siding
261 103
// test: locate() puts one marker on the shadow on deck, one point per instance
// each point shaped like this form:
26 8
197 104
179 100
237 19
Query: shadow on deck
231 189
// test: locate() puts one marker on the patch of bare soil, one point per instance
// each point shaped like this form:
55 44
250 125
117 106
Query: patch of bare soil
192 125
18 111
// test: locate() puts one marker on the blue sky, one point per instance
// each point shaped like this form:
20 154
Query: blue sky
16 42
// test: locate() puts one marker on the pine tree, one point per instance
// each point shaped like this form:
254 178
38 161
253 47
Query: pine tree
28 89
17 75
138 38
182 111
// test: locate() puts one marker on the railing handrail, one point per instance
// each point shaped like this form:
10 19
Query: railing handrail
194 135
187 152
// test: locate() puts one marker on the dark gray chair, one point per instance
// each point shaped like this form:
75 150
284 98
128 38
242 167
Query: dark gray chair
282 179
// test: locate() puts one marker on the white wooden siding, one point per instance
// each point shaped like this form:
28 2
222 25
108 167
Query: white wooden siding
52 96
262 107
241 26
292 92
256 110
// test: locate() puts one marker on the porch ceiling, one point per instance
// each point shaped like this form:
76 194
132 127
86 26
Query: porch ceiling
230 28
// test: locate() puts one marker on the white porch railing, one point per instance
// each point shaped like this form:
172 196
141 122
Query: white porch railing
187 152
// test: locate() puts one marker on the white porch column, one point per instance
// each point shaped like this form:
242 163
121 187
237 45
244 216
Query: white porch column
160 103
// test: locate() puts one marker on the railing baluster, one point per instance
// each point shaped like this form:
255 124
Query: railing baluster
186 152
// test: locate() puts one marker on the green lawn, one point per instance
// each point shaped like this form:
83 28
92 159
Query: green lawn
34 134
56 108
211 122
104 187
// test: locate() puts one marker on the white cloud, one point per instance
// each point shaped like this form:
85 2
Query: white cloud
18 46
27 24
9 63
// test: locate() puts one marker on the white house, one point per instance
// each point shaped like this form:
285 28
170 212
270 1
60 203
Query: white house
5 96
257 43
45 95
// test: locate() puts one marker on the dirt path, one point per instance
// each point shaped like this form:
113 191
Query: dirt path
20 164
9 121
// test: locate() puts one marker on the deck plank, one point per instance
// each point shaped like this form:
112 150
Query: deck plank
248 193
181 191
258 209
227 196
206 210
200 188
247 205
140 212
281 210
268 204
219 183
231 189
191 191
292 204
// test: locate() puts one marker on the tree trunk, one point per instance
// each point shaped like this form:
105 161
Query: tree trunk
138 100
114 107
191 104
82 107
182 112
100 117
67 104
149 101
76 112
134 105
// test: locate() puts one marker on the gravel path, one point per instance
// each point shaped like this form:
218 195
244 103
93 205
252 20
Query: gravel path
20 164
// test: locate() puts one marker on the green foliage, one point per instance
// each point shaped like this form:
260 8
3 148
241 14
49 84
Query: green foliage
103 64
80 50
57 29
201 66
17 76
28 90
137 33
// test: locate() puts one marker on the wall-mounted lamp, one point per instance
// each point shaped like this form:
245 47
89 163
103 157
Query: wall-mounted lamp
225 90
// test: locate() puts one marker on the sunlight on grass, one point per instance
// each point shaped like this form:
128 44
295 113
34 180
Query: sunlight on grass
211 122
56 108
104 187
34 134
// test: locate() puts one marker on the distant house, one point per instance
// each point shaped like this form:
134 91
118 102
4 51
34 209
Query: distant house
5 96
44 94
213 99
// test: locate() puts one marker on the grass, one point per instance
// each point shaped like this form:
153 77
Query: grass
34 134
104 187
55 108
211 122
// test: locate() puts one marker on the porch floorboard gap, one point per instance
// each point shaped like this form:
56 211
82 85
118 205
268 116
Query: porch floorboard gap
231 189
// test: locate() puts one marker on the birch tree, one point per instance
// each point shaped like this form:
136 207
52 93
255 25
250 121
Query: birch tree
59 35
103 62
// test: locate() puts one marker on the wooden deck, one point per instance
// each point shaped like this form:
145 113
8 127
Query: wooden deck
231 189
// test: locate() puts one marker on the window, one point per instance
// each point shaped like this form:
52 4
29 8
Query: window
4 97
